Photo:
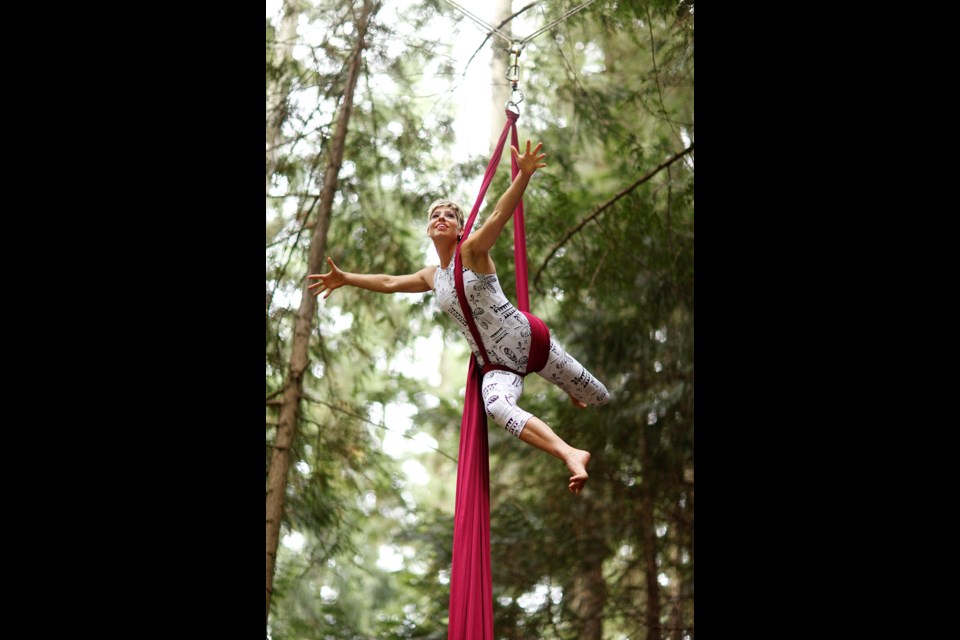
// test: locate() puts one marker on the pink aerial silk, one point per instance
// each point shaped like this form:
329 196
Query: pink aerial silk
471 586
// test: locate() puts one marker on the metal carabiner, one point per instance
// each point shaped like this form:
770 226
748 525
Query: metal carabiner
513 69
513 77
516 96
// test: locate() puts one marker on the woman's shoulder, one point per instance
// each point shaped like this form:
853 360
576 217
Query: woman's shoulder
481 264
429 274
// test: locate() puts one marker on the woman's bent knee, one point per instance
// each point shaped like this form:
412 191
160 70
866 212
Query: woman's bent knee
504 411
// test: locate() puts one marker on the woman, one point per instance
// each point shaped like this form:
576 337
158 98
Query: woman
504 331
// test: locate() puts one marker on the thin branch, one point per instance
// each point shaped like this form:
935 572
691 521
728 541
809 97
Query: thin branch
379 426
656 77
669 206
312 171
308 225
564 17
607 205
595 273
274 394
302 135
295 195
572 73
326 361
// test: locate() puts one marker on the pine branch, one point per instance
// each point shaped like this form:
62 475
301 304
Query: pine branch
302 135
606 205
294 195
302 217
379 426
572 74
656 76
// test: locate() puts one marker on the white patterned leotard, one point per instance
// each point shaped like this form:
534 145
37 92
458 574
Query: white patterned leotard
505 333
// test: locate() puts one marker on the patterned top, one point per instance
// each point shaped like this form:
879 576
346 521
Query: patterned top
504 330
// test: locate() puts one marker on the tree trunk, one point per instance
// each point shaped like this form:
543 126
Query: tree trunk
654 630
588 591
589 596
293 390
500 92
687 588
676 620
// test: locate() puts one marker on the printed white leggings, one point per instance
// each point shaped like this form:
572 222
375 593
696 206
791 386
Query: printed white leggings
502 389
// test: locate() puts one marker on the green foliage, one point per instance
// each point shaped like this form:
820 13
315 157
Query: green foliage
610 93
619 296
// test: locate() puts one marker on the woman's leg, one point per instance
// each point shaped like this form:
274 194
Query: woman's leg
564 371
539 434
501 390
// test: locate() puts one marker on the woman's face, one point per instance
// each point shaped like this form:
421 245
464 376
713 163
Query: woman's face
443 222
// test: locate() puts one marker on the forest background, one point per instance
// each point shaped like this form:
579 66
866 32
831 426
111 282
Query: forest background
373 110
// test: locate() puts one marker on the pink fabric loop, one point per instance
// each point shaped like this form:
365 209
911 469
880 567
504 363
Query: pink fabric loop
471 584
539 349
539 343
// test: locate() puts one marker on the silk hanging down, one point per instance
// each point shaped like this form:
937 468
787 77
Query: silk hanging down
471 585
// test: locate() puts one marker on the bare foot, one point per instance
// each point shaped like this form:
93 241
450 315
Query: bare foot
577 403
577 463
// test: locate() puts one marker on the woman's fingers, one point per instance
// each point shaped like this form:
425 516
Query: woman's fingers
534 152
530 156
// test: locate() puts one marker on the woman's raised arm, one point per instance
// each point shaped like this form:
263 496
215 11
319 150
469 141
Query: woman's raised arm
476 248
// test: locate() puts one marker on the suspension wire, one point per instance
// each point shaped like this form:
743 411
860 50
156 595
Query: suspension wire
533 35
568 14
491 29
516 46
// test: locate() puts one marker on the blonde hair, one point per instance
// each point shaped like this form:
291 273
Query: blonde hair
443 202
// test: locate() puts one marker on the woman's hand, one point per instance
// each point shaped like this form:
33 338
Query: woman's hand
529 162
327 281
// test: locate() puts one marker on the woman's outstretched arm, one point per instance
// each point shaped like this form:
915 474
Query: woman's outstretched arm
382 283
476 248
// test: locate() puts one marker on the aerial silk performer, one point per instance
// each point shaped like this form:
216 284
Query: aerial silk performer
508 343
